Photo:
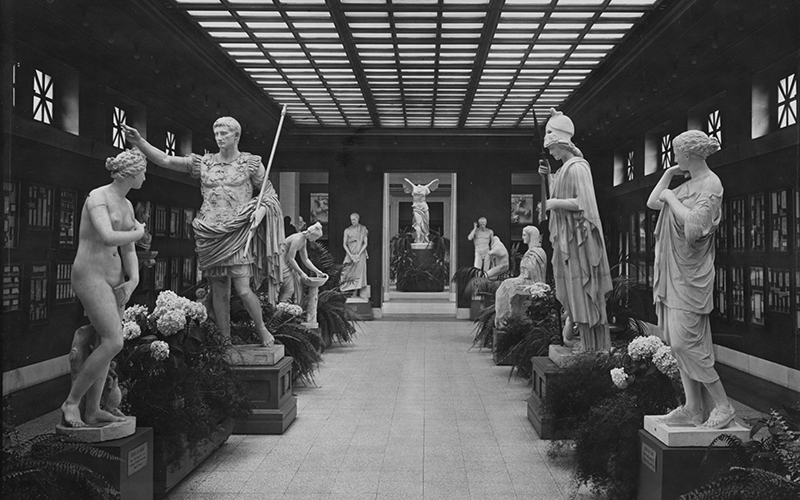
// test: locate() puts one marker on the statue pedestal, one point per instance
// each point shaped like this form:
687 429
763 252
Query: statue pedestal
360 306
543 372
422 257
132 476
421 246
255 354
667 472
560 355
269 389
689 435
100 433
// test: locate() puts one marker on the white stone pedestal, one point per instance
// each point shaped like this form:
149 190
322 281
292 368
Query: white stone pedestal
100 433
255 354
560 355
689 435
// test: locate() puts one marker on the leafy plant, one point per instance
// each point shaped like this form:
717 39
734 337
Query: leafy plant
767 467
336 320
462 277
47 466
484 328
323 259
409 273
629 305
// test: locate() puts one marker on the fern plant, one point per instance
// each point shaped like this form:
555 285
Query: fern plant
767 467
336 320
47 466
484 328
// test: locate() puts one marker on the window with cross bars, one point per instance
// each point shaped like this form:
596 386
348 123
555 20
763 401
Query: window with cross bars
787 101
629 166
714 125
118 118
170 146
43 102
667 156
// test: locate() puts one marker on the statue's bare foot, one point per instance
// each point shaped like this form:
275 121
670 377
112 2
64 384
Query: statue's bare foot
71 415
267 340
102 417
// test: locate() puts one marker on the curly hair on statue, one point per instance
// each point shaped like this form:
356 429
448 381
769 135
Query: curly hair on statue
126 164
697 143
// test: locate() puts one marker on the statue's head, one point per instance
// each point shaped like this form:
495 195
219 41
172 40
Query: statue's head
558 134
531 236
354 218
314 232
231 125
482 222
694 143
129 163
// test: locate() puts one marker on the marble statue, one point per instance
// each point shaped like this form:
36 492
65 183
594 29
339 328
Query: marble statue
580 265
532 269
481 237
421 222
294 277
354 272
498 259
228 180
106 254
142 214
683 280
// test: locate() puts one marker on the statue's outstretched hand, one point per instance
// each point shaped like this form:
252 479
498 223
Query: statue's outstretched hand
131 134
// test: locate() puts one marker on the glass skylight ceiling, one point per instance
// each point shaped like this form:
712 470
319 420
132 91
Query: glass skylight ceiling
417 63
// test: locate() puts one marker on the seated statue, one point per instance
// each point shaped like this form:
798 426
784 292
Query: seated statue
498 259
532 269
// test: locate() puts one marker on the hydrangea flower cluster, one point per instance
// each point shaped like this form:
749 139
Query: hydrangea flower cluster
537 290
287 308
159 350
172 312
665 362
131 330
619 377
134 313
644 347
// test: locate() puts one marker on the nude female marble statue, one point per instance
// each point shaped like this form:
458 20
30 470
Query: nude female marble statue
683 280
421 222
580 265
354 272
106 254
228 180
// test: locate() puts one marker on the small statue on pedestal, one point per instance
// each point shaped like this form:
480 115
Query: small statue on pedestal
354 272
421 222
481 237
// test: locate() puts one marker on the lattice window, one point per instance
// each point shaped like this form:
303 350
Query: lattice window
721 236
738 223
170 143
757 295
11 287
64 292
118 118
37 309
714 125
10 214
787 101
721 292
779 286
40 207
779 220
43 102
629 166
757 222
667 155
737 303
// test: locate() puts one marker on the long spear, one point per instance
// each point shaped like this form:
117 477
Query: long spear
545 193
266 179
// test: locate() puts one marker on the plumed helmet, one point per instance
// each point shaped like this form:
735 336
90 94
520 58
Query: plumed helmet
561 123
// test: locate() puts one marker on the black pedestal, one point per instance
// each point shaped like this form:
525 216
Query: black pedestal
666 473
544 372
269 388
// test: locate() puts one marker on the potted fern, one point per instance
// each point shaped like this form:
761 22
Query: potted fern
412 274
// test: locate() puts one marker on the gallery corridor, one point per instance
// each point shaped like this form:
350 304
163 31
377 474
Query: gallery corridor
407 412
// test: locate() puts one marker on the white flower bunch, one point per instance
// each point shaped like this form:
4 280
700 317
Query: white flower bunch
665 362
537 290
159 350
134 313
643 347
171 322
172 312
285 307
619 377
130 330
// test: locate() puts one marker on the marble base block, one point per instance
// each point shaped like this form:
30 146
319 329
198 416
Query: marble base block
269 389
255 354
421 246
360 306
100 433
559 354
677 436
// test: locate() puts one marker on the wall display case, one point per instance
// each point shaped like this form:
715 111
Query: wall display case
757 222
160 274
651 232
160 222
737 295
797 220
175 222
757 295
67 218
738 228
64 292
187 271
175 274
37 306
11 287
40 207
10 214
721 236
778 288
779 220
721 292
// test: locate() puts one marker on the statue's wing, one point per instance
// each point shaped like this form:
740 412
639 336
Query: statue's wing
408 187
432 185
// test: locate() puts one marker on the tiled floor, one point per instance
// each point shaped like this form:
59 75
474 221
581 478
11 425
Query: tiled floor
407 412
